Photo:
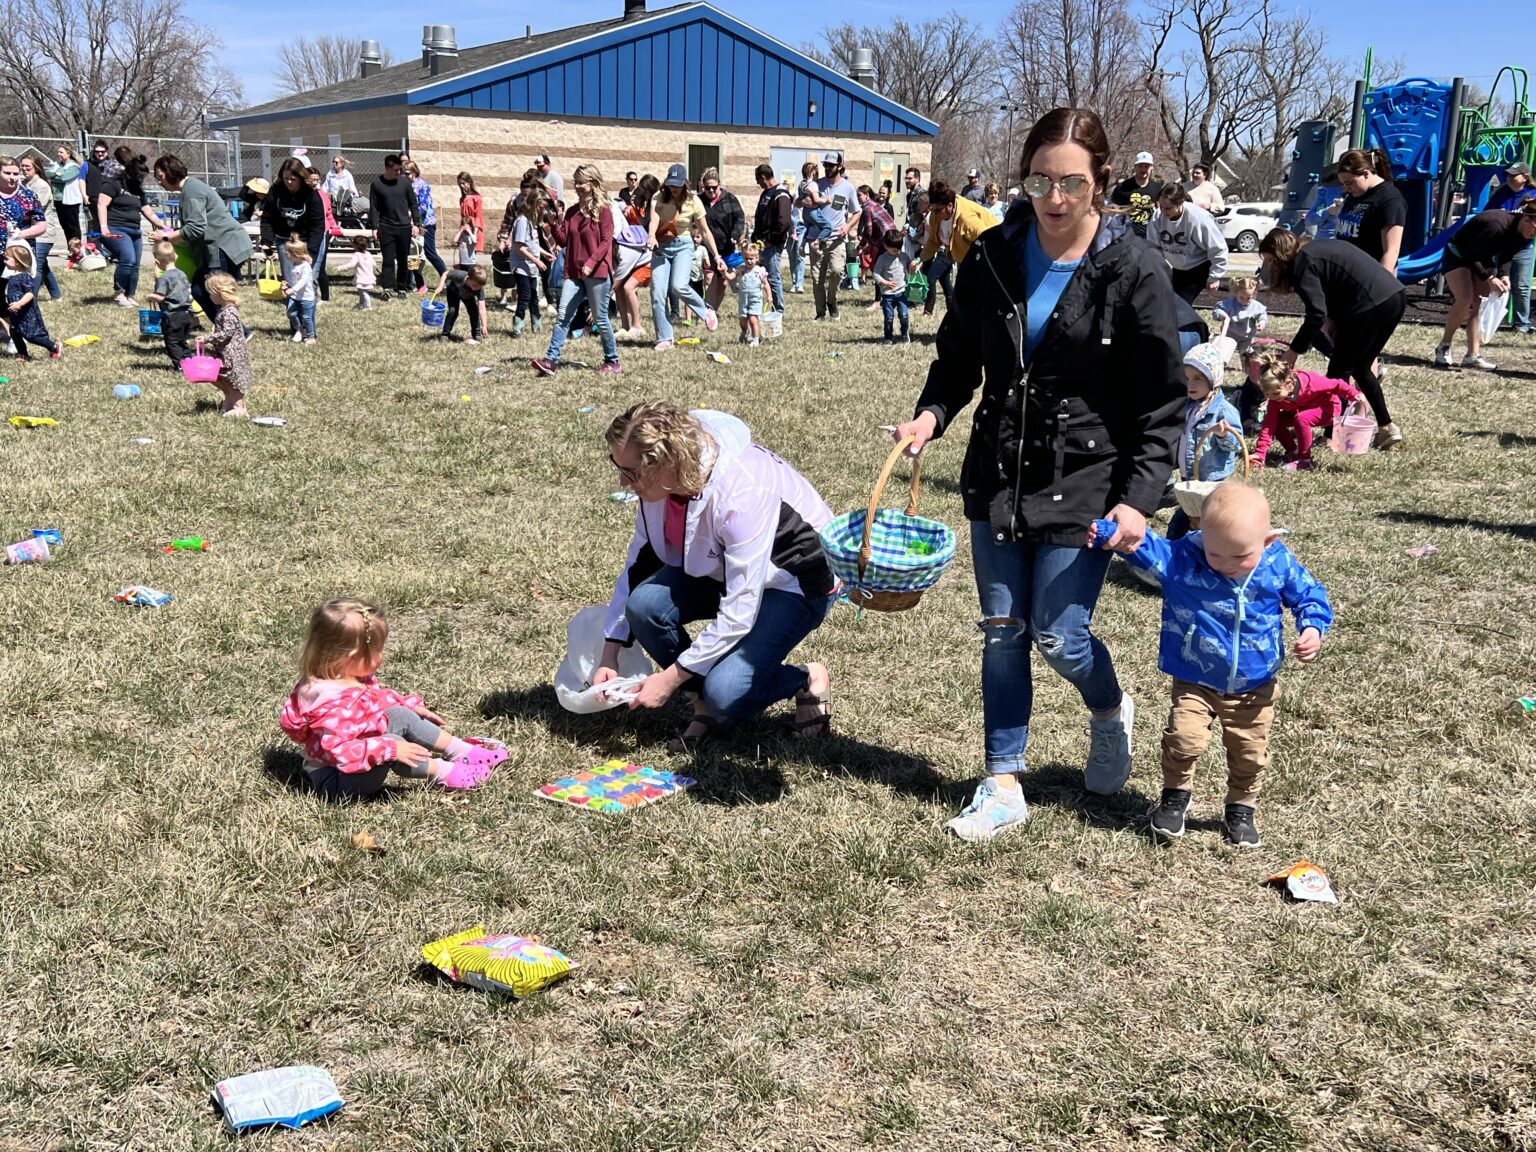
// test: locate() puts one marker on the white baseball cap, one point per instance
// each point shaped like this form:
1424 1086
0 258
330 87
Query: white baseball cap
1145 158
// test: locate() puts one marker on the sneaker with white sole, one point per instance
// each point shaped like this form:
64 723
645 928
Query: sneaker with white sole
993 809
711 321
1443 356
1168 816
663 346
1109 750
1481 363
1238 827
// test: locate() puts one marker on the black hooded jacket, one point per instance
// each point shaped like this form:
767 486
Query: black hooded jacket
1093 421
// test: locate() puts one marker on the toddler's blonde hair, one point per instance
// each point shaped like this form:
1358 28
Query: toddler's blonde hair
1275 375
222 290
340 631
165 252
666 437
1242 283
297 250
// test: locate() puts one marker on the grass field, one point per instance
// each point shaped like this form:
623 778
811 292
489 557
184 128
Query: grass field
793 955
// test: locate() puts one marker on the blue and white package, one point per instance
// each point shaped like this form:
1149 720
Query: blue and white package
290 1097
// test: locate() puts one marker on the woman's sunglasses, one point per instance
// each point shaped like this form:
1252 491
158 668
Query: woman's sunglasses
1039 186
628 475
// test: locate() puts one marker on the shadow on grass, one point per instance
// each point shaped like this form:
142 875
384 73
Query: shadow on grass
738 767
1122 575
1061 786
285 767
1518 531
1505 439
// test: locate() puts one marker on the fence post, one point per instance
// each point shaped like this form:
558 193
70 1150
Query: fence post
266 161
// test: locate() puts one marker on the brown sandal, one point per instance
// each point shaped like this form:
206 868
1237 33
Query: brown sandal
819 723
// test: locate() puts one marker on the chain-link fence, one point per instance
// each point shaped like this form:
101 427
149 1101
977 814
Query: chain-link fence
262 159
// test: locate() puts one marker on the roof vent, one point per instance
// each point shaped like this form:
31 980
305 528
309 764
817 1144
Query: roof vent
634 9
370 60
861 68
441 45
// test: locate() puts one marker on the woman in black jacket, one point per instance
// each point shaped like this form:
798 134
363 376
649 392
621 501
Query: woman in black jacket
726 221
292 208
1065 322
1338 281
1476 263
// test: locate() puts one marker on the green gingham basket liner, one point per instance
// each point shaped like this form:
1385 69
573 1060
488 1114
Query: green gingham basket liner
907 553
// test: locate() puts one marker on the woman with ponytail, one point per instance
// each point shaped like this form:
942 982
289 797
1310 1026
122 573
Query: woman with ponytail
1374 211
586 234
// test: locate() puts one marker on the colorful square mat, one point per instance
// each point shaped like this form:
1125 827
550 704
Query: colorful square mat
615 787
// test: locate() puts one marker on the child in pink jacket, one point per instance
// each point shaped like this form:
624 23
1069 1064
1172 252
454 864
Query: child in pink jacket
1298 402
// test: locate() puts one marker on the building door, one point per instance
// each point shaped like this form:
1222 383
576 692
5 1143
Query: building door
700 157
892 166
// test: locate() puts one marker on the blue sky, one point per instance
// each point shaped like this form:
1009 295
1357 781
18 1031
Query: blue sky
1431 43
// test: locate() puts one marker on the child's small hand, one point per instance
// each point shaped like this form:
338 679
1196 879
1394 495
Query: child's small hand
411 755
1308 644
427 714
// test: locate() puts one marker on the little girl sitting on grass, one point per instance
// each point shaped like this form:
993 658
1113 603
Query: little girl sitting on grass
228 343
1299 401
353 730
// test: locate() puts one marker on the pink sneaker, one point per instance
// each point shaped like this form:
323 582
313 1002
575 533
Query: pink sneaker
711 321
463 775
663 345
544 367
609 368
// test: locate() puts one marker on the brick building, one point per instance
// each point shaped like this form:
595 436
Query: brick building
688 84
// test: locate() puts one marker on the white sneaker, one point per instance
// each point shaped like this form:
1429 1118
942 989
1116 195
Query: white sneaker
471 340
993 809
1443 356
1481 363
1109 750
298 337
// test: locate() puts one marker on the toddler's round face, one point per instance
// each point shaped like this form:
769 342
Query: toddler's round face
1196 386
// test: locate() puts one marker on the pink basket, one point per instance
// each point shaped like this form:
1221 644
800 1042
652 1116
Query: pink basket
201 369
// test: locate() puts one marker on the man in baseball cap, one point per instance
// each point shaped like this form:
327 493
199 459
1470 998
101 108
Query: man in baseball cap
1138 193
835 159
552 179
974 189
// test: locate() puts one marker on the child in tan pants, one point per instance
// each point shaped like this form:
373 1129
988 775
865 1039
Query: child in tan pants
1225 589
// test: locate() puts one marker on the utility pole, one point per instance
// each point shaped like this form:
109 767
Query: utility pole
1010 107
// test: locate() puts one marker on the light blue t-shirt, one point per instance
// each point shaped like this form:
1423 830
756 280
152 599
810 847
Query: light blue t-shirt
844 197
1044 282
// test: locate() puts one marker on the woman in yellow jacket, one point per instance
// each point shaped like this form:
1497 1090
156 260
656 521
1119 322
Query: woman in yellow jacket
953 225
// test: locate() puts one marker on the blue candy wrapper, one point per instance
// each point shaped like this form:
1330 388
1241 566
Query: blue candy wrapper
142 597
289 1097
1103 532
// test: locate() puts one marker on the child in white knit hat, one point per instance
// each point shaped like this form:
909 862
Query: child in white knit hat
1208 409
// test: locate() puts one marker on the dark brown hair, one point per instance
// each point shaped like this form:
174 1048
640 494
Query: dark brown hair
170 168
1080 126
1173 194
1361 161
1281 248
940 194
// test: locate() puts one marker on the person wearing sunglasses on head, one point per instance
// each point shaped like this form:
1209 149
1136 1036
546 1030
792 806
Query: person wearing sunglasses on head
1065 322
954 223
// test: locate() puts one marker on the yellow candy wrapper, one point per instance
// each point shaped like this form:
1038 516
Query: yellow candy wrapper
81 341
1305 881
514 965
33 422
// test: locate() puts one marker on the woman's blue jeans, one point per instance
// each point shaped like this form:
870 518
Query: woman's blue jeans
752 675
595 292
670 265
1520 285
797 259
45 277
127 247
1042 594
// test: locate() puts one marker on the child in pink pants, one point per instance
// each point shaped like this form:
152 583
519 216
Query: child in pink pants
1299 401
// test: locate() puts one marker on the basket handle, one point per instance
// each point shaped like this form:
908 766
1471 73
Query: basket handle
1200 447
199 345
865 552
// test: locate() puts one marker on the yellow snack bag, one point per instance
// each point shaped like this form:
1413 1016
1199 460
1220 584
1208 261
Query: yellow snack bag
514 965
33 422
81 341
1305 881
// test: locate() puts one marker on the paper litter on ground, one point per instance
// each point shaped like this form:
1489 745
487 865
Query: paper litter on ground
289 1097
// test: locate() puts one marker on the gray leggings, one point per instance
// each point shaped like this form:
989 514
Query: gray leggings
402 723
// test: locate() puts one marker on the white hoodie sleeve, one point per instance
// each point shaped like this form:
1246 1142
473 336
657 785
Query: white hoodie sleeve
1205 235
746 534
615 624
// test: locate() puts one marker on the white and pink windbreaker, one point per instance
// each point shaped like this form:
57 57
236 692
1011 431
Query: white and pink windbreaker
754 527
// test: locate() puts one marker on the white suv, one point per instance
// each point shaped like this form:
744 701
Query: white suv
1244 225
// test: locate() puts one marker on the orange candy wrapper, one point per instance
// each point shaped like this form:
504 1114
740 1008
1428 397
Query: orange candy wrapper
1305 881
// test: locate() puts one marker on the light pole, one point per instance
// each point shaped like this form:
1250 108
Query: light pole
1010 107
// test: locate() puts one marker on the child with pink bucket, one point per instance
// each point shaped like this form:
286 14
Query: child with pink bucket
353 730
1300 402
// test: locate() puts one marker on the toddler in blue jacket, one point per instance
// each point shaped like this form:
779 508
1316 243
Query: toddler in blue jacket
1225 588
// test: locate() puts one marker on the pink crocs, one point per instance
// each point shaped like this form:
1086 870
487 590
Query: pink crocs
464 774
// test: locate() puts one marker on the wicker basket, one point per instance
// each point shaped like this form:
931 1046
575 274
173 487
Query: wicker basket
888 559
1191 494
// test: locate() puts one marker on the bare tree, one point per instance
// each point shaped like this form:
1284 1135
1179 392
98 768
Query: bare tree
112 67
1075 53
943 69
309 62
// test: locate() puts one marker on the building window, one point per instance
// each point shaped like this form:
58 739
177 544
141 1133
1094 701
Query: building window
700 157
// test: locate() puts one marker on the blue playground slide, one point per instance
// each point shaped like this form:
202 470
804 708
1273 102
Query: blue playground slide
1427 260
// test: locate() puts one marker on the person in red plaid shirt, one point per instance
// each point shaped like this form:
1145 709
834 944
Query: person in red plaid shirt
874 222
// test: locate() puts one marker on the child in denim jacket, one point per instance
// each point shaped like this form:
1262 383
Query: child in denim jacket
1207 409
1225 589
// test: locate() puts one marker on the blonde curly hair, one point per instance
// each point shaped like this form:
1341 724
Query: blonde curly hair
1275 375
666 437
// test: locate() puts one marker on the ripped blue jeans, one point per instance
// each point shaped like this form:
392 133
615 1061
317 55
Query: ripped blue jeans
1040 594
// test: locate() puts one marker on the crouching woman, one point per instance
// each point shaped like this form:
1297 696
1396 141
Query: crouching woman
725 532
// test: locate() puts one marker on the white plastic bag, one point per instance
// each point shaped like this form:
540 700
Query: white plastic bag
1494 308
584 647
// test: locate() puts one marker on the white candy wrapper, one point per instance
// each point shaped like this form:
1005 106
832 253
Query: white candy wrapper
288 1097
584 648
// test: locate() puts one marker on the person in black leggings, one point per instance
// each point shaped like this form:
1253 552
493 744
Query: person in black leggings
1337 281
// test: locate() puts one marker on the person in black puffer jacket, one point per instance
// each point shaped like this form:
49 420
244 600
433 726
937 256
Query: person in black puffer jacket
727 222
1065 321
292 208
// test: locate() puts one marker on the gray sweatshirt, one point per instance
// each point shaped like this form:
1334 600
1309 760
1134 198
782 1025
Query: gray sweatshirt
1192 239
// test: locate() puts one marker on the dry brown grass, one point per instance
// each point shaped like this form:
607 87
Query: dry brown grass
793 955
